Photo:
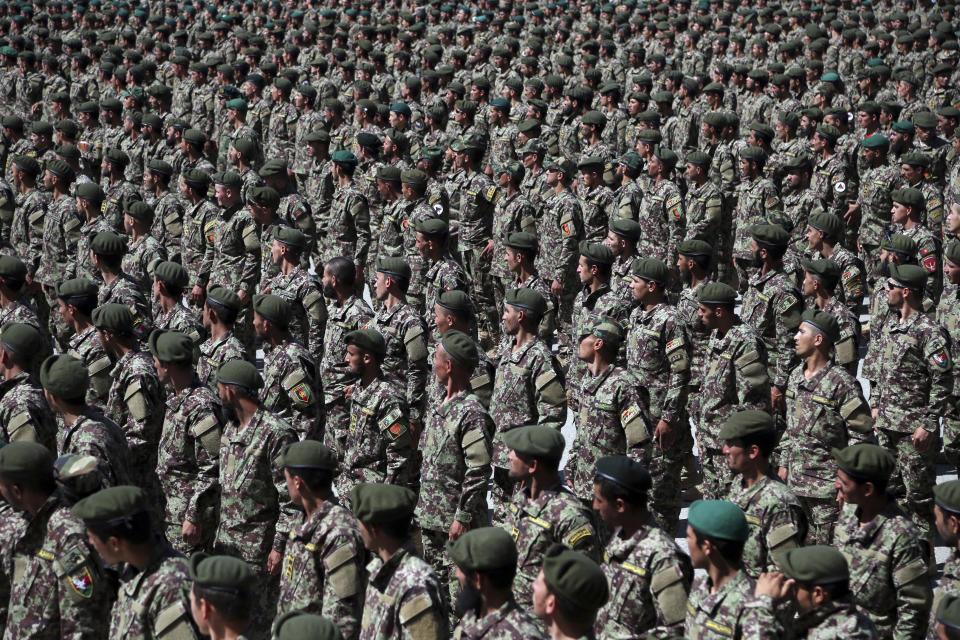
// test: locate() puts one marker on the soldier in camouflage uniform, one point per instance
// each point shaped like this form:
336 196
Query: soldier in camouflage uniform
596 198
756 200
144 251
648 574
948 317
947 516
824 233
703 203
884 549
280 134
58 589
150 602
348 227
188 454
107 250
170 281
441 271
26 233
76 299
905 216
199 222
412 214
873 202
24 413
323 570
293 283
662 217
168 207
456 449
223 594
832 178
219 316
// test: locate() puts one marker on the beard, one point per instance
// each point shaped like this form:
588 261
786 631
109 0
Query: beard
686 277
329 292
469 600
885 268
756 262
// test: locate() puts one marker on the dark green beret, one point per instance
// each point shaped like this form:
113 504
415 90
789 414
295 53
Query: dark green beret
413 176
484 549
27 164
631 160
60 168
528 125
26 460
521 240
513 169
309 454
814 565
12 267
947 496
161 167
746 423
195 136
753 153
667 157
952 252
389 174
899 243
770 235
903 126
113 317
761 129
344 157
139 210
594 118
76 288
698 158
718 519
822 267
224 298
171 346
368 340
273 308
195 178
948 611
239 372
915 159
575 578
117 157
319 136
536 440
909 275
625 472
238 104
107 243
695 248
293 238
909 197
65 377
925 120
172 273
267 197
596 252
461 348
828 223
222 572
626 228
282 83
274 167
456 301
112 504
230 179
605 328
434 227
828 132
717 293
650 269
397 267
296 625
528 300
865 461
12 122
382 503
825 323
21 339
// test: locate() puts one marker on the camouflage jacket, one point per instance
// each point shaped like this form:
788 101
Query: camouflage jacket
948 317
181 319
687 307
143 255
876 185
83 264
323 572
512 214
662 222
168 219
508 622
478 198
354 314
596 206
61 233
852 277
236 251
308 311
116 197
348 226
649 580
588 307
403 600
405 334
835 181
24 412
659 353
96 435
292 388
776 520
772 305
627 201
756 201
835 620
256 514
123 290
197 245
732 611
87 348
29 221
704 209
456 449
446 274
560 229
214 353
949 584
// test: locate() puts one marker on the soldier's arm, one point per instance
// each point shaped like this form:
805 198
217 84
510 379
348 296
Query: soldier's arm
788 309
418 369
360 211
250 270
571 230
205 429
169 612
82 593
676 213
914 594
343 590
549 393
575 529
636 420
856 414
678 352
144 401
316 310
936 351
710 223
394 424
421 614
289 513
753 383
209 251
785 527
670 576
476 432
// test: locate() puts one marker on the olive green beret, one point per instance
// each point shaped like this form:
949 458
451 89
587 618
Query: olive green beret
828 132
171 346
76 287
536 440
27 164
814 565
293 238
915 159
107 243
631 160
909 275
89 191
513 169
484 549
273 308
864 461
650 269
753 153
596 252
698 158
594 118
117 157
718 519
667 157
828 223
952 252
626 228
60 169
65 377
397 267
296 625
172 273
456 301
309 454
528 300
25 459
112 504
909 197
274 167
113 317
876 141
225 298
899 243
822 267
925 120
239 372
770 235
12 267
521 240
139 210
388 174
413 176
761 129
461 348
264 197
746 423
382 503
947 496
695 248
624 472
319 136
230 179
605 328
239 104
368 140
368 340
717 293
195 136
434 227
22 340
528 125
825 323
948 611
222 572
195 178
903 126
575 578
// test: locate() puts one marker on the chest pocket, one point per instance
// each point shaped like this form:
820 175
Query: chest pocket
649 343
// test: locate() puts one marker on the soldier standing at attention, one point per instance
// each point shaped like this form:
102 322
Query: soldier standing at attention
150 603
24 413
568 592
824 234
170 281
323 571
45 605
756 200
948 317
885 550
403 598
648 574
77 299
223 596
348 223
220 309
293 283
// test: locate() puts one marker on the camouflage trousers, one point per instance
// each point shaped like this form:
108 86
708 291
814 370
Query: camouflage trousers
481 286
500 286
501 494
434 545
914 476
870 254
666 467
338 427
951 435
717 476
822 514
566 347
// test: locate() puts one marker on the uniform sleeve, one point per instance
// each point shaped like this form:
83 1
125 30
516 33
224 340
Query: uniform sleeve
575 529
82 593
250 270
913 591
788 308
549 394
677 349
476 433
936 353
785 528
316 310
209 251
677 216
393 421
421 614
415 344
360 211
670 579
856 414
753 382
205 430
570 229
289 513
343 589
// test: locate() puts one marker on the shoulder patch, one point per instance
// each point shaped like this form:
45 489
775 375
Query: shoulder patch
929 262
785 304
583 532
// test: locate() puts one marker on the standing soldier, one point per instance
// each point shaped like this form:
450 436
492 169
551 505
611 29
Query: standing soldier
170 282
293 283
662 216
418 217
628 196
568 592
220 309
622 240
441 271
348 224
199 222
756 200
873 203
703 203
596 198
144 251
280 135
948 317
24 413
76 299
833 178
54 263
824 233
168 208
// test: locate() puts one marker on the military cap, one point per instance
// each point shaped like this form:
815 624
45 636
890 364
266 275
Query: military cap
160 166
22 340
909 197
308 454
828 223
87 107
715 119
483 549
111 505
225 298
528 300
12 268
746 423
575 578
909 275
28 164
113 317
76 287
770 235
78 476
624 472
717 293
535 440
529 125
12 122
591 162
789 118
948 611
596 252
112 104
461 348
798 163
117 157
864 461
434 227
239 104
382 503
876 141
650 269
401 108
761 129
230 179
713 87
195 136
564 166
605 328
698 158
925 120
388 174
222 572
282 83
139 210
172 273
456 301
397 267
915 159
171 346
273 308
814 565
107 243
754 153
822 267
513 169
239 372
65 377
718 519
413 176
368 140
903 126
594 118
532 146
90 191
317 137
264 197
297 625
41 128
344 157
290 237
151 120
626 228
501 104
899 243
828 132
368 340
947 496
273 167
694 247
662 96
949 112
952 252
26 459
666 157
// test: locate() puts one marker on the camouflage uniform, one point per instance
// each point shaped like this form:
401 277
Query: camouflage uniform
323 571
477 202
87 348
876 185
596 206
96 435
662 222
949 584
140 260
403 600
308 311
168 223
756 201
835 182
560 230
446 274
292 388
198 241
24 413
627 201
588 307
26 234
281 132
215 353
348 226
181 319
704 211
776 520
409 215
731 611
649 581
772 305
512 214
123 290
405 334
948 317
508 621
835 620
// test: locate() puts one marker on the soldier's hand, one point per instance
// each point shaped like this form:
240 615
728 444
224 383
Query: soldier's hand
244 297
874 413
922 439
777 401
457 529
556 288
774 584
273 562
782 473
191 532
487 251
853 212
840 501
197 294
664 434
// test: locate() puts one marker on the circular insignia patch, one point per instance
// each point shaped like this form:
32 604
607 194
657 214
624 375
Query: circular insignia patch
438 208
840 187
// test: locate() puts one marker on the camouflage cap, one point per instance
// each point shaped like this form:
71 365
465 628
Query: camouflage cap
746 423
864 462
308 454
26 459
624 472
382 503
535 440
910 276
483 549
461 348
296 625
514 169
718 519
575 577
825 324
78 476
65 377
567 167
113 317
368 340
650 269
605 328
717 293
222 572
814 565
111 505
528 300
239 373
272 308
266 197
171 346
107 243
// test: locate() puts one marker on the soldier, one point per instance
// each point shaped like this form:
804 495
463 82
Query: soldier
513 213
912 392
117 190
529 388
189 450
27 227
569 591
947 621
735 379
323 572
170 281
90 200
544 511
348 226
199 224
596 198
44 605
663 217
948 317
649 576
441 272
168 207
76 300
621 239
150 603
280 134
106 252
521 251
403 598
703 203
873 203
885 550
628 196
946 496
24 413
220 309
418 217
54 263
223 595
256 514
756 200
833 178
906 214
378 445
824 233
301 291
144 251
456 449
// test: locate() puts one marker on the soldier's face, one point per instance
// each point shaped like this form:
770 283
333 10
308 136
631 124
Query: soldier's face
104 548
899 213
540 596
953 218
584 271
441 365
737 455
807 338
851 492
707 316
354 359
512 259
911 173
814 238
697 557
511 319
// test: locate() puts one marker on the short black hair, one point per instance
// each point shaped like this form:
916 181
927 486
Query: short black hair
612 492
343 269
233 604
134 528
315 479
731 550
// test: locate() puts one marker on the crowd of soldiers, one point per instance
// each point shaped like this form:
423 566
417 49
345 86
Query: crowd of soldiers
296 300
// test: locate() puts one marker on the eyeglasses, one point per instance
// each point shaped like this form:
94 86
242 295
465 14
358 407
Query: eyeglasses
893 284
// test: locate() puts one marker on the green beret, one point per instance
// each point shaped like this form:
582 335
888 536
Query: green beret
60 169
237 103
266 197
26 459
650 269
594 117
698 158
239 372
77 288
915 159
65 377
389 174
909 275
948 611
718 519
273 308
761 129
282 83
925 120
484 549
308 454
864 462
822 267
828 223
171 346
296 625
695 248
319 136
434 227
575 578
27 164
814 565
456 301
625 472
461 348
667 157
195 136
899 243
223 297
368 340
160 166
12 267
172 273
222 572
952 252
753 153
631 161
626 228
112 504
605 328
382 503
22 340
107 243
195 178
12 122
117 157
290 237
521 240
396 267
274 167
344 157
596 252
717 293
139 210
947 496
528 300
828 132
909 197
528 125
770 235
745 423
825 323
113 317
536 440
230 179
413 176
903 126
